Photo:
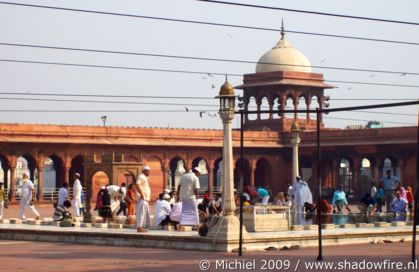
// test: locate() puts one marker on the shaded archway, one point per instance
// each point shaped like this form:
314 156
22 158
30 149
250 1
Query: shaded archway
262 173
126 177
366 172
252 106
77 167
346 175
176 170
391 163
99 179
217 174
4 171
52 173
237 172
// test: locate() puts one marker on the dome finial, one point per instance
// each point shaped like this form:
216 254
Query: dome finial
282 29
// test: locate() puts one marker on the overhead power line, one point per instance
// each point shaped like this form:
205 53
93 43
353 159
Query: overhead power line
108 102
184 71
210 23
312 12
203 58
29 93
72 94
103 111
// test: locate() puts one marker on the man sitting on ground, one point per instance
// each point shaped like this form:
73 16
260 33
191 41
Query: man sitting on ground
162 211
63 215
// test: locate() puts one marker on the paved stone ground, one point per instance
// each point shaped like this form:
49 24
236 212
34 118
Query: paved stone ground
39 256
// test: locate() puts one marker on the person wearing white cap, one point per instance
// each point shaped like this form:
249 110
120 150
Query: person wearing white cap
77 190
162 210
302 194
27 197
143 194
187 192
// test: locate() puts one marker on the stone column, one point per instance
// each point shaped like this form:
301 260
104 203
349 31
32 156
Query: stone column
210 170
335 171
258 104
283 102
39 186
357 176
165 170
227 227
12 183
252 175
271 105
295 141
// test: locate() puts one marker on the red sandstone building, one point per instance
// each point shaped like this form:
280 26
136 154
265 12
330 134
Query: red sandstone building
353 157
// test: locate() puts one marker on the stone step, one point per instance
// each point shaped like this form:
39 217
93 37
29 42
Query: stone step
297 227
15 221
78 219
77 224
55 223
115 226
347 226
4 221
311 227
101 225
186 228
86 225
328 226
381 224
155 228
169 228
34 222
398 223
364 225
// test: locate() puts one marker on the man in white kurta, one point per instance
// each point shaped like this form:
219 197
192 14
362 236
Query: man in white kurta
162 211
143 194
187 192
302 194
77 195
26 197
62 194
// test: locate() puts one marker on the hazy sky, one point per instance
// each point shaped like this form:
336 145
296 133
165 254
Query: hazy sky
80 30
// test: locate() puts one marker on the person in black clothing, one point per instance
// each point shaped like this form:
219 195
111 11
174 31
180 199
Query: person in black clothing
203 209
105 211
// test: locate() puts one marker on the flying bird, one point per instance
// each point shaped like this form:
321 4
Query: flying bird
187 110
213 86
350 88
403 74
200 113
204 77
231 36
323 61
210 75
373 75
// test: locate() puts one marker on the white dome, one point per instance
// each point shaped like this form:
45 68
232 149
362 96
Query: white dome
283 57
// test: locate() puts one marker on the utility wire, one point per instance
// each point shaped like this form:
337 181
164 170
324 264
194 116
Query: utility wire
30 93
209 23
98 111
186 72
365 120
108 102
203 58
113 96
312 12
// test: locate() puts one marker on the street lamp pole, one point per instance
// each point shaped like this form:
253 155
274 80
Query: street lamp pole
295 141
227 226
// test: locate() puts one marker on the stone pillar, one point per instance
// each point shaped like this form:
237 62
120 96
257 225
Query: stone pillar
283 102
210 170
227 227
258 104
357 177
295 141
39 186
12 183
378 170
165 170
252 175
335 171
271 105
308 103
295 102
